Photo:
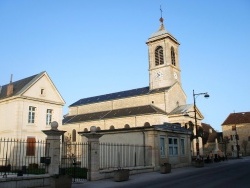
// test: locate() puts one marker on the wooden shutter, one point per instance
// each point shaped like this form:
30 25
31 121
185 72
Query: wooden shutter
31 146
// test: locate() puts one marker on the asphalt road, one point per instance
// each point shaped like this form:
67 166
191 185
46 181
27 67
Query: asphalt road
229 174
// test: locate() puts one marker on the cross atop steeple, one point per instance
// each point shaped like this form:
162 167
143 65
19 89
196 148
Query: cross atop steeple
161 20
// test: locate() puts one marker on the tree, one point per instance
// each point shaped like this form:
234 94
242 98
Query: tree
244 145
224 142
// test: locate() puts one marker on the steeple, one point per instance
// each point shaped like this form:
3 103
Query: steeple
164 68
161 20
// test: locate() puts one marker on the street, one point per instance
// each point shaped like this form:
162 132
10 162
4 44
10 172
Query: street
236 174
230 174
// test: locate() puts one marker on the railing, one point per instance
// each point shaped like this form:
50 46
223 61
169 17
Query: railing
22 157
74 160
124 155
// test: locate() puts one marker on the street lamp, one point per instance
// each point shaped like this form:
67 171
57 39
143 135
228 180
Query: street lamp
195 119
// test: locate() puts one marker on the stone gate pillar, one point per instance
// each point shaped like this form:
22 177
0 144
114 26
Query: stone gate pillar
93 154
53 139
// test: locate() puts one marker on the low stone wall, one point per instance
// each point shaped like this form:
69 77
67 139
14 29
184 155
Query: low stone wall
105 174
36 181
25 181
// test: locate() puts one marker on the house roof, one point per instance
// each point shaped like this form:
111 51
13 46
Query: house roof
174 127
237 118
209 133
22 85
132 111
117 95
17 86
166 127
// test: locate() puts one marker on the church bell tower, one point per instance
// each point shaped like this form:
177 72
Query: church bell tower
164 67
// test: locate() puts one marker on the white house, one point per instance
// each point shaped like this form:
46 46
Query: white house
27 106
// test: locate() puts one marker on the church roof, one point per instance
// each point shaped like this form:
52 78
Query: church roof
181 109
118 95
162 32
124 112
237 118
17 86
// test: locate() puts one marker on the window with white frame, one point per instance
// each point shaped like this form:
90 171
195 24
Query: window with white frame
48 116
182 146
173 146
162 146
32 113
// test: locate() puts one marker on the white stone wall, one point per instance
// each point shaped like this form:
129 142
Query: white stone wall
132 121
14 110
243 130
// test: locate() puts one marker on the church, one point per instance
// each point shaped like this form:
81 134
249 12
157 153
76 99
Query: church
163 100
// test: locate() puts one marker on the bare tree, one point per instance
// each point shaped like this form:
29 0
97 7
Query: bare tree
244 145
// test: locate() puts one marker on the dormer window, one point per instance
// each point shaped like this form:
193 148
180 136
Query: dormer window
172 56
159 56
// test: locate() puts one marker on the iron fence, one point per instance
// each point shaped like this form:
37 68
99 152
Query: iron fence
20 157
74 160
113 156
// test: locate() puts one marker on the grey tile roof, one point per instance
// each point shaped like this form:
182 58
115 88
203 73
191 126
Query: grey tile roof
17 86
171 127
132 111
181 109
117 95
166 127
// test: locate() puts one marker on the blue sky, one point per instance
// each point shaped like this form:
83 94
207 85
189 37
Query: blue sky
97 47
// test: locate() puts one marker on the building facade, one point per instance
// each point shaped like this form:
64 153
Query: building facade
236 131
27 106
162 101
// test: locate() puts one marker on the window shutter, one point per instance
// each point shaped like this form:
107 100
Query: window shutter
31 146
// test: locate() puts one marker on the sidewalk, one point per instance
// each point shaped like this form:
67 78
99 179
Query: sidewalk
108 183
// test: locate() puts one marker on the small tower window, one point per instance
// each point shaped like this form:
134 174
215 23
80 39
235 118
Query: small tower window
172 56
159 56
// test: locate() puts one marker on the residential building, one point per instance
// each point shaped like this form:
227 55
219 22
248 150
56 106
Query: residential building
236 129
170 143
27 106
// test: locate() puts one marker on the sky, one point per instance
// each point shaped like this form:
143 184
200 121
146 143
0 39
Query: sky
97 47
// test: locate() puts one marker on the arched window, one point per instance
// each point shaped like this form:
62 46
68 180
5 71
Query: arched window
172 56
112 127
73 135
159 56
146 124
126 126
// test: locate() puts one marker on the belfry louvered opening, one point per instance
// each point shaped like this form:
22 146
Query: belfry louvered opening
159 60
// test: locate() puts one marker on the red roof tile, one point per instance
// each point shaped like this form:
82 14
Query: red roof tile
237 118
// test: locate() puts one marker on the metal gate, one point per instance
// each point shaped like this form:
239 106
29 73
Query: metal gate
74 160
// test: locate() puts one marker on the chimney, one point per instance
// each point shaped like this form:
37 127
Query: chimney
10 87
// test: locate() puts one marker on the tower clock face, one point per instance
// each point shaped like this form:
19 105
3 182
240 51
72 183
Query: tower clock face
175 75
158 75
